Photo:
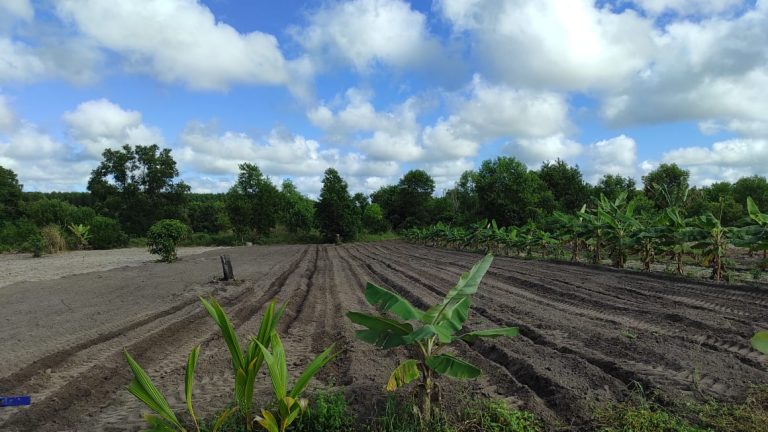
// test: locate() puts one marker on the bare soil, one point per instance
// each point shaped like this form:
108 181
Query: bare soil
587 333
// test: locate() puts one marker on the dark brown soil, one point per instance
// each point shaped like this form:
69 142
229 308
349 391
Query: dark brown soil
587 333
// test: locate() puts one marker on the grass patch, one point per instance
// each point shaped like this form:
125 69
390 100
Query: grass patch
367 238
641 413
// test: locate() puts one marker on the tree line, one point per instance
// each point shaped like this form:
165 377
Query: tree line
132 188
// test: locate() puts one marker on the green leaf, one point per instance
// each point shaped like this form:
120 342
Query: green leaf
157 424
189 379
404 373
268 421
387 301
469 281
754 212
276 364
143 388
227 331
382 332
425 332
453 367
760 341
312 369
502 331
219 422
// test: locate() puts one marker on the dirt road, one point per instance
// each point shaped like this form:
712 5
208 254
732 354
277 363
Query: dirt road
586 333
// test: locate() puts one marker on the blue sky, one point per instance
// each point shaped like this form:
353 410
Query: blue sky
375 87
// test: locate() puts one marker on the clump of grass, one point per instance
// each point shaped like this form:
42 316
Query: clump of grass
486 415
328 411
641 413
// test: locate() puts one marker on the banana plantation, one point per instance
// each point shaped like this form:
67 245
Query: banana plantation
612 230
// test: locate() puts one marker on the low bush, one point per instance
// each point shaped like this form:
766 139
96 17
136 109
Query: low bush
35 244
328 412
14 236
107 234
53 240
163 237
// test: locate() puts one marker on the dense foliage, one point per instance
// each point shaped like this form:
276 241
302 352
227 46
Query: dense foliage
163 237
336 213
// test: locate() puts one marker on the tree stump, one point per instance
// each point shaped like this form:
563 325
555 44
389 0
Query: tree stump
226 266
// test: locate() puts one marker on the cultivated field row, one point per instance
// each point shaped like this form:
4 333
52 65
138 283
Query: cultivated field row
587 334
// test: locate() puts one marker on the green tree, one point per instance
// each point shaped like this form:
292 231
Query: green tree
755 187
509 193
666 182
136 185
208 216
10 195
386 198
335 211
612 185
567 185
298 210
373 219
252 203
163 236
414 193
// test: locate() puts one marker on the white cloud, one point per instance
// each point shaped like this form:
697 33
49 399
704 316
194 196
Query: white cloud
688 7
18 8
280 154
363 33
72 59
178 41
534 151
7 117
541 43
714 71
722 161
100 124
616 155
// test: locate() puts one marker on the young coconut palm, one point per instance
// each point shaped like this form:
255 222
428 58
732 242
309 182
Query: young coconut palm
165 420
288 401
245 362
433 331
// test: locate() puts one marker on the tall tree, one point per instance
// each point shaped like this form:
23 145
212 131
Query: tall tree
665 183
252 202
335 210
510 194
298 211
754 186
414 193
566 183
137 186
612 185
10 195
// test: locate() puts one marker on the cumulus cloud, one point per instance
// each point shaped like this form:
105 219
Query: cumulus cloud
541 43
688 7
714 71
7 117
535 151
364 33
178 41
280 154
726 160
72 59
616 155
100 124
21 9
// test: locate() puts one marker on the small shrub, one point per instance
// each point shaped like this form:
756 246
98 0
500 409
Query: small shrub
106 234
756 273
163 237
35 244
53 240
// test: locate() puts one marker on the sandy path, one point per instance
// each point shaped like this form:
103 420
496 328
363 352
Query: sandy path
22 267
64 340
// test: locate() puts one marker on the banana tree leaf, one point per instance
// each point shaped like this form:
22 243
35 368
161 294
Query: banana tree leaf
502 331
451 316
404 373
382 332
387 301
453 367
754 212
760 341
444 335
469 281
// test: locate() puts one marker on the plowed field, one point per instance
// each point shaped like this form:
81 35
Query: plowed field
587 333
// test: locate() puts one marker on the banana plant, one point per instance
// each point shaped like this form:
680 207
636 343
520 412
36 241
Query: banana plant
620 225
245 362
645 240
82 234
572 230
756 236
165 419
676 235
428 332
287 400
594 230
712 240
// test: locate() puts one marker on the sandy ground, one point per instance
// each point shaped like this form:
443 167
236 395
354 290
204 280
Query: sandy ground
22 267
587 333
